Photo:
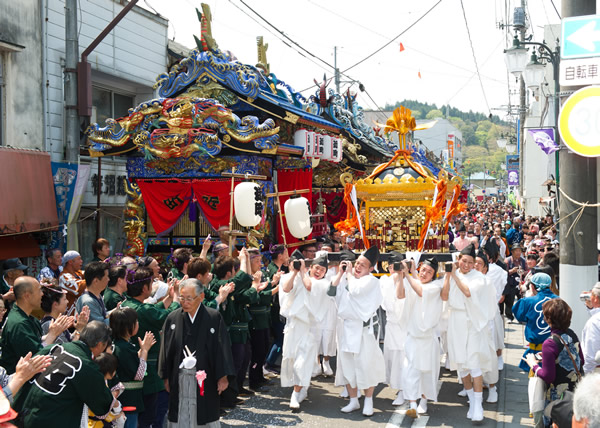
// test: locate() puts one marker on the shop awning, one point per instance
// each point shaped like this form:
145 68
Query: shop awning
26 186
21 246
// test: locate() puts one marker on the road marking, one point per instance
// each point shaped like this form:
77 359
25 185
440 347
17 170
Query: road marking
421 421
396 419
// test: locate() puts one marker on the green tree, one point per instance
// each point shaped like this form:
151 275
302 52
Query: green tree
434 114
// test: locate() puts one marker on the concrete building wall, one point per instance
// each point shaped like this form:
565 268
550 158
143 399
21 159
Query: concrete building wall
436 138
537 165
128 60
22 104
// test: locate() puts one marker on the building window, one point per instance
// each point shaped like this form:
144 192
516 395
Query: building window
109 104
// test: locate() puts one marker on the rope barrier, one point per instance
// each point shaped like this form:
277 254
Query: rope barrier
578 211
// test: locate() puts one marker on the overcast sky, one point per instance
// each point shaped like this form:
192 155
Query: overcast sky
437 46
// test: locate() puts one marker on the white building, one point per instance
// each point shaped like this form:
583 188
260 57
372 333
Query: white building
443 139
32 91
537 165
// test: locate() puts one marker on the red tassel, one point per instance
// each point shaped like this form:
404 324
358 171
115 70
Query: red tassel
401 47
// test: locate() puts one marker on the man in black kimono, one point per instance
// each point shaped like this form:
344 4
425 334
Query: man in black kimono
195 344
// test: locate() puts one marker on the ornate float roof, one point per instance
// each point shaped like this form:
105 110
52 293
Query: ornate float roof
272 95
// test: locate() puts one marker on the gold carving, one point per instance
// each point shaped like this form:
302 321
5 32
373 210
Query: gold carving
262 56
291 117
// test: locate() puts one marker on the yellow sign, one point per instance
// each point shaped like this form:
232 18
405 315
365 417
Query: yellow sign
579 122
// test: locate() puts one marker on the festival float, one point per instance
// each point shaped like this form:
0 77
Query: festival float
405 204
218 124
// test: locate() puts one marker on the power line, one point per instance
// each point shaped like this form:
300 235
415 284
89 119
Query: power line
276 36
383 36
297 44
555 9
285 35
474 58
394 39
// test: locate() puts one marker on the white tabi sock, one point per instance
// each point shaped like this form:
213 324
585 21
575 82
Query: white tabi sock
477 407
368 406
352 405
471 395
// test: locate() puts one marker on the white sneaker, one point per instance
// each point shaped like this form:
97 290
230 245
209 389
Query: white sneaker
422 406
462 393
352 406
493 395
399 399
294 400
412 412
327 371
500 363
368 406
344 393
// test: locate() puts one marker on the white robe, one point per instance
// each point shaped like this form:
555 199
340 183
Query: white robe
360 360
470 344
325 331
497 277
422 348
302 309
395 332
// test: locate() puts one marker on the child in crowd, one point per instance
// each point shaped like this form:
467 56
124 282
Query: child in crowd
107 363
131 362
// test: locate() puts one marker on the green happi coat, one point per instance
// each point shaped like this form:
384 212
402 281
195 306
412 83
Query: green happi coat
127 354
235 308
112 298
22 333
151 318
56 397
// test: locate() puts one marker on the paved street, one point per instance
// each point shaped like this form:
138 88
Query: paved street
322 407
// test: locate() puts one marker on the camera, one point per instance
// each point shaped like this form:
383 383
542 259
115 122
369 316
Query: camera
344 268
448 266
585 296
297 264
397 266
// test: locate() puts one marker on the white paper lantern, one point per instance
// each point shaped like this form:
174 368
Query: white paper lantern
248 204
297 215
319 145
305 139
326 148
336 149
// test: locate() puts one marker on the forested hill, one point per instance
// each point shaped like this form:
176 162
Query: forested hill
480 133
421 110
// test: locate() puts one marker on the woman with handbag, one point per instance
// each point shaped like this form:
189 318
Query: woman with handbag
562 358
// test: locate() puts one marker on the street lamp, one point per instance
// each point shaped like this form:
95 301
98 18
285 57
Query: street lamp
534 73
510 148
501 142
516 57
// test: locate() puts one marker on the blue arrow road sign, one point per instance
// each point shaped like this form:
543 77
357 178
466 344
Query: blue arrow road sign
580 37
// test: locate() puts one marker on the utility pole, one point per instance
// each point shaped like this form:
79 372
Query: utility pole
71 58
522 108
337 70
578 249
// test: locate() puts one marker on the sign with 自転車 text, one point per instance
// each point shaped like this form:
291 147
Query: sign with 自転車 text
580 71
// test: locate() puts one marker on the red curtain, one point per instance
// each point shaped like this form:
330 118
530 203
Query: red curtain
334 201
293 179
214 199
165 202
